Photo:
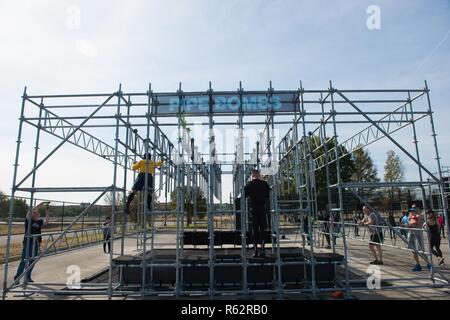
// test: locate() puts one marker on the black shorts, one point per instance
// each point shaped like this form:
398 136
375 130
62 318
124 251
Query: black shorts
140 182
259 217
377 238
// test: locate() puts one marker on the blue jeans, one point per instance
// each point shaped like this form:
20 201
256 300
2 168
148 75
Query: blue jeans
33 252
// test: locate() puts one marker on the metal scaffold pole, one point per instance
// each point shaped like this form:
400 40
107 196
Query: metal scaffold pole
340 195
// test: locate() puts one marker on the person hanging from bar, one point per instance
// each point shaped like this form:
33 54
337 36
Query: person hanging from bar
139 183
257 191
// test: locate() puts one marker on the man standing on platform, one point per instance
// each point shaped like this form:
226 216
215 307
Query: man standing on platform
257 191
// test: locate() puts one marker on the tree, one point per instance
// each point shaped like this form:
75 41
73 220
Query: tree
3 205
364 171
346 165
320 175
20 207
393 172
393 168
109 198
188 203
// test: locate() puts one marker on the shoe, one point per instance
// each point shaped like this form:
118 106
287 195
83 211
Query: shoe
374 262
441 262
416 268
379 262
30 280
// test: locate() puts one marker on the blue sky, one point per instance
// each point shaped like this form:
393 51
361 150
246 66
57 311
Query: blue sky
165 42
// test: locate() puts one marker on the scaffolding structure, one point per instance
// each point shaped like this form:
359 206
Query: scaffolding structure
311 143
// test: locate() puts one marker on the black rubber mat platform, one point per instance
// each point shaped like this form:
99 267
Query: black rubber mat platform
194 271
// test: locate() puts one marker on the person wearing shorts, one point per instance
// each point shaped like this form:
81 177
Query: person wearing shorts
415 237
372 221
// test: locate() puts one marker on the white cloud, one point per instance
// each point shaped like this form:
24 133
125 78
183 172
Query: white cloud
86 48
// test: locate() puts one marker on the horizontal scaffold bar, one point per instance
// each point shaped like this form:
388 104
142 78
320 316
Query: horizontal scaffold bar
69 189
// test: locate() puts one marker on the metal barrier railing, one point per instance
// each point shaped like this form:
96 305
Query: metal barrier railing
73 239
357 232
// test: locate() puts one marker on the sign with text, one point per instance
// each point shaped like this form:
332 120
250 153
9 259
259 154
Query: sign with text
225 103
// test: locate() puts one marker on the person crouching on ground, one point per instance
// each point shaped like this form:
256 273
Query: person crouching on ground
144 167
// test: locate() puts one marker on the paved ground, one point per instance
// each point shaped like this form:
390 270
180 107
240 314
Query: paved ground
397 266
53 269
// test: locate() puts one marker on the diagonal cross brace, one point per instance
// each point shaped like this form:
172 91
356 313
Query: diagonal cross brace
16 281
64 141
387 135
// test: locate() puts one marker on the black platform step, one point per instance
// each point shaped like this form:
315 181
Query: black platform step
195 271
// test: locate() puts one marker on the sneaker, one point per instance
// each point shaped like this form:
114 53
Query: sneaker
30 280
374 262
379 262
441 262
416 268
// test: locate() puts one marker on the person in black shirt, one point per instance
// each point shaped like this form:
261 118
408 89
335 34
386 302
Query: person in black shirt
32 241
257 191
435 237
393 224
107 234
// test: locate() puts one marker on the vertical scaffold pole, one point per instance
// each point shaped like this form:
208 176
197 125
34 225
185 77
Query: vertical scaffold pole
125 171
28 236
13 191
323 136
438 162
341 202
240 186
114 191
180 199
422 189
146 191
152 191
211 184
307 154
